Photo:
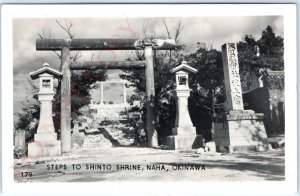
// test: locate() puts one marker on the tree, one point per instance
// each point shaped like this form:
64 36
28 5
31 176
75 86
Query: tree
208 87
265 53
27 117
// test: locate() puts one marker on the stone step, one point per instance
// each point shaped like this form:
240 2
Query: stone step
93 141
107 128
123 135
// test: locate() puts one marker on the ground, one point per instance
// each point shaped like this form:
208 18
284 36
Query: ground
252 166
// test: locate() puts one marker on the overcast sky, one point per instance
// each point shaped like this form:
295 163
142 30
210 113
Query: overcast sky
211 30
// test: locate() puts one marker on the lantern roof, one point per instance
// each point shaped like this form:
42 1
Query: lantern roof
183 66
45 69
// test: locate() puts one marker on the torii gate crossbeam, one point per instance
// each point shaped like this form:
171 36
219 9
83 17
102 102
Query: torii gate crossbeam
108 65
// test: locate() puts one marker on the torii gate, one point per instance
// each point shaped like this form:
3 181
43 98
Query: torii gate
65 45
123 82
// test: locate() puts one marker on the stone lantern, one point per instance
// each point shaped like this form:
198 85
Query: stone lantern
45 140
184 133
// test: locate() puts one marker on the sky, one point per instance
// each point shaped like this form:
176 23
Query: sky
214 31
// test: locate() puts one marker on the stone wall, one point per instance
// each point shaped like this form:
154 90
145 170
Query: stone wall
271 103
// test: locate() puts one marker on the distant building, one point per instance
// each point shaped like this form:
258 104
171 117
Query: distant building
264 93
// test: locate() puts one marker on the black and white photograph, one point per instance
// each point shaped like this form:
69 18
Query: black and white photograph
141 96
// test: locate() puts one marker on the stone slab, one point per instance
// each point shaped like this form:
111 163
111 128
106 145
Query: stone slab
237 115
239 112
245 116
44 149
184 142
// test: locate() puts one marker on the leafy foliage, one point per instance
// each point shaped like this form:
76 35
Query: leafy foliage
266 53
207 86
27 118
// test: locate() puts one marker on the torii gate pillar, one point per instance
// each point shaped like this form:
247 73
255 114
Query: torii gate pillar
150 91
65 115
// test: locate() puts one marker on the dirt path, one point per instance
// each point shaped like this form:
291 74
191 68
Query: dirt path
143 164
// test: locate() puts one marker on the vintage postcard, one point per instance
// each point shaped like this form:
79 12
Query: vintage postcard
149 99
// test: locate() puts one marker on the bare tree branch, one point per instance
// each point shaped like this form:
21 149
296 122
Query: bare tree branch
67 27
178 30
33 87
57 54
76 56
45 36
169 36
166 27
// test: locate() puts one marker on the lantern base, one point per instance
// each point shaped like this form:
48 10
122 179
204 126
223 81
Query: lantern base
188 130
44 149
184 142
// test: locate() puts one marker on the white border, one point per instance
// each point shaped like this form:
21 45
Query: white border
150 188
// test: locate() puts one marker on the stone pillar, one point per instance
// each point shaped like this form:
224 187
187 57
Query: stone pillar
232 77
152 139
124 94
65 116
101 93
239 129
46 122
77 138
20 144
183 122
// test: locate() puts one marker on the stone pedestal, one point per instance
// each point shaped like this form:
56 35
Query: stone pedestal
240 131
45 140
184 142
44 149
